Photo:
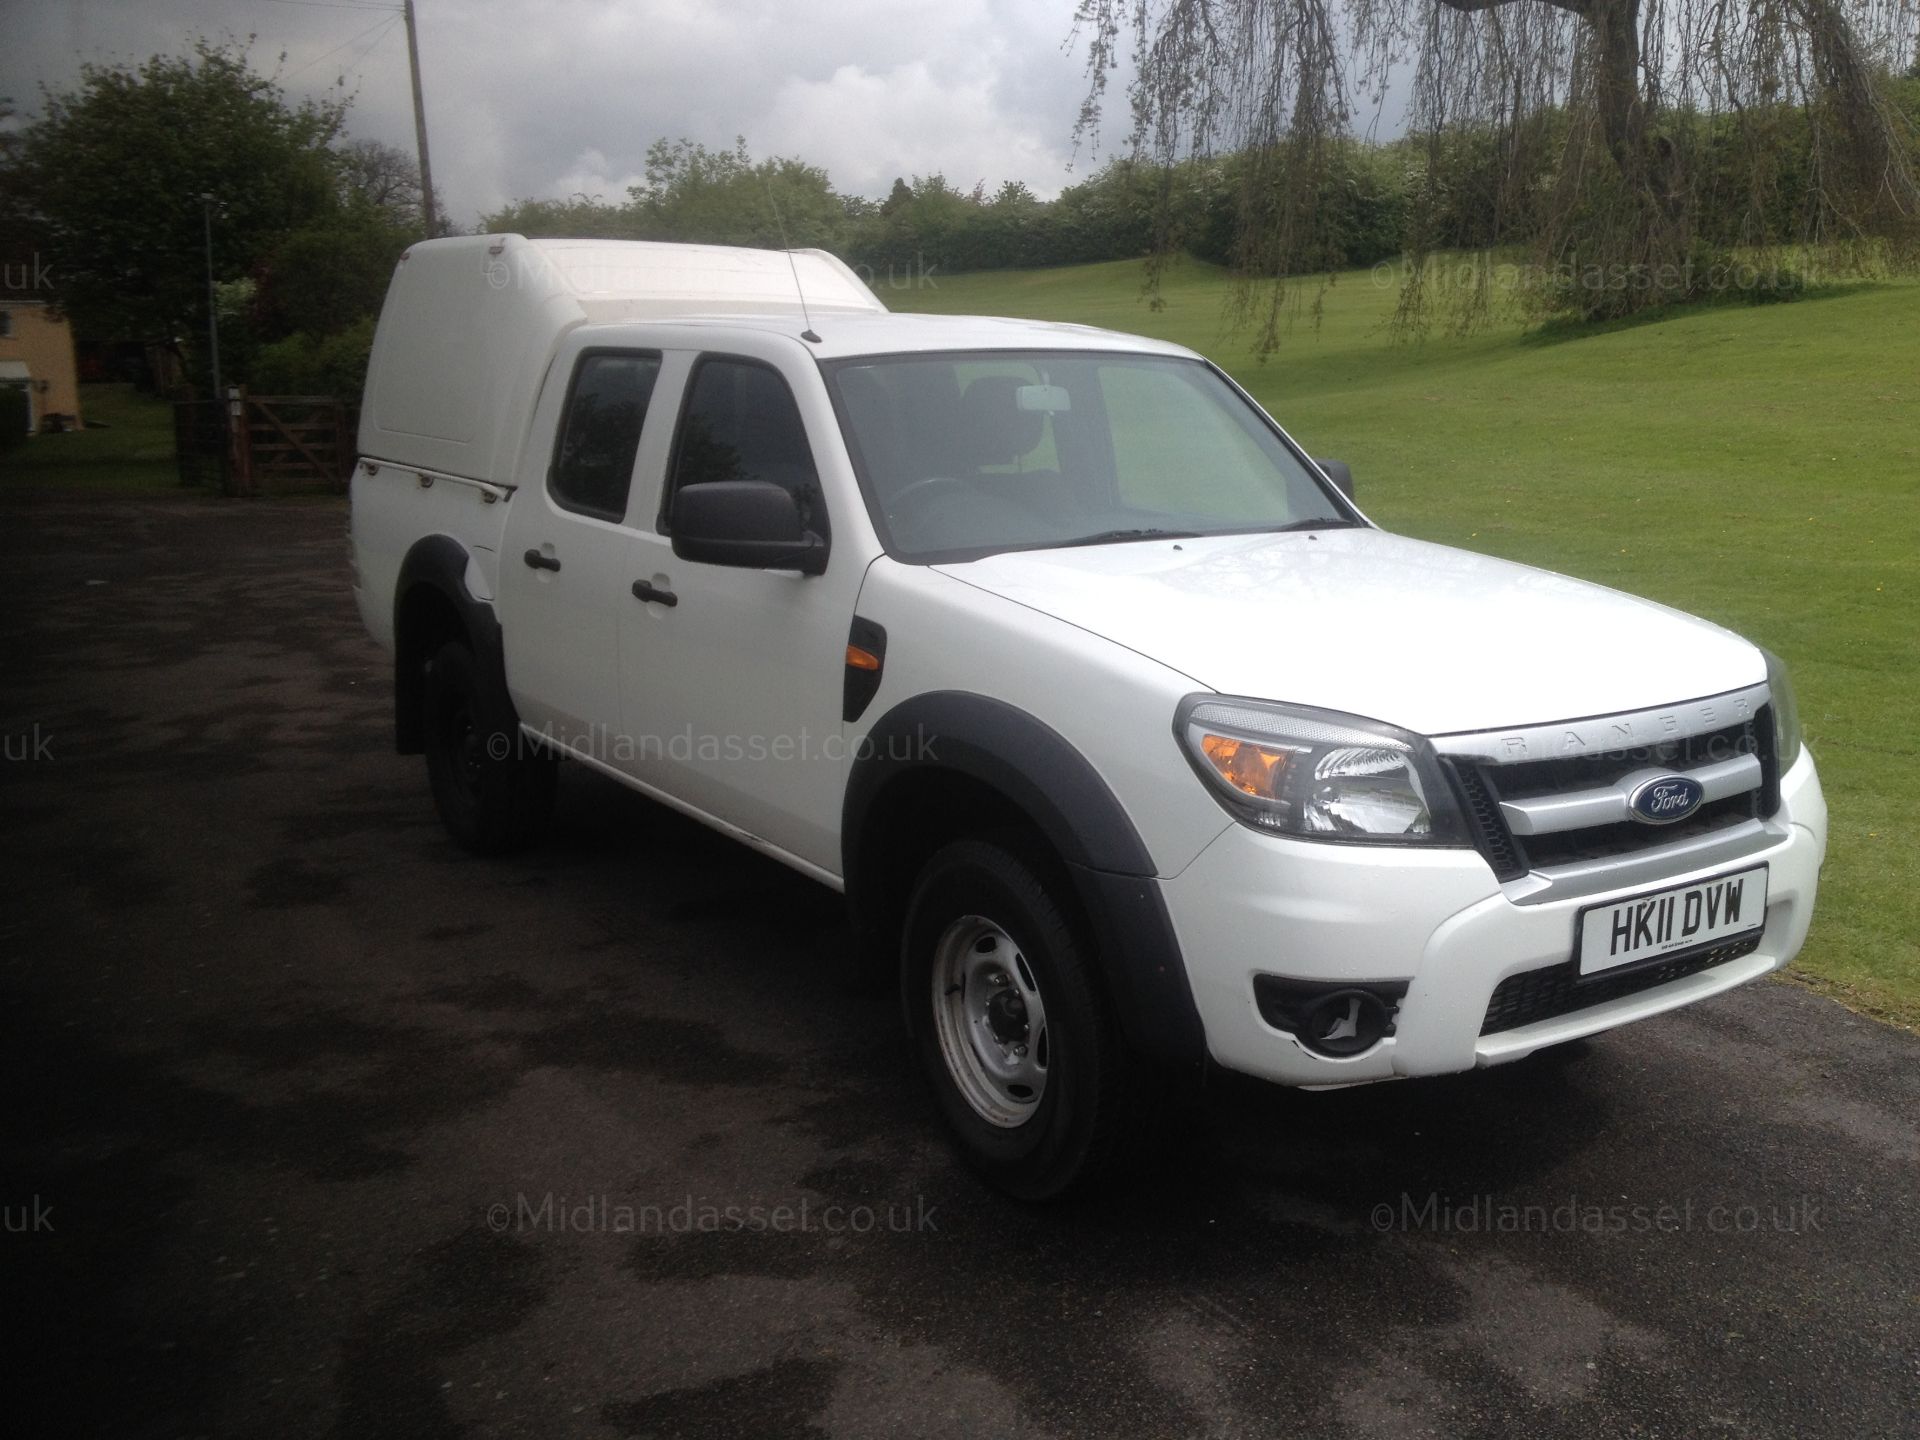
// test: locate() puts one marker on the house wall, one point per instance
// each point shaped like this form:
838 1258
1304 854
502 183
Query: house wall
45 342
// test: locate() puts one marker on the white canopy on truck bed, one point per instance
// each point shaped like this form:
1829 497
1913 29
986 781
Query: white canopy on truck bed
470 325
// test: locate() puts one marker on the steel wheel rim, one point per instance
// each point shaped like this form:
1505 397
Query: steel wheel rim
991 1021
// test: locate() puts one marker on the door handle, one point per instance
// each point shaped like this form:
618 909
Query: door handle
643 591
541 562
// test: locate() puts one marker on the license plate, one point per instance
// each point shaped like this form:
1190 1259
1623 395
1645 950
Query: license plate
1683 918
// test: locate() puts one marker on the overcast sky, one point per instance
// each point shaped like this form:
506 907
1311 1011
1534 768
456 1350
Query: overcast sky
550 98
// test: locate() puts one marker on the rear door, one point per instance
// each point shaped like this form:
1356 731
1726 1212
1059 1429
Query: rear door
564 579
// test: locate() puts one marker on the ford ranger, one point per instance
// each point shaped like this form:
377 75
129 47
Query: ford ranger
1135 747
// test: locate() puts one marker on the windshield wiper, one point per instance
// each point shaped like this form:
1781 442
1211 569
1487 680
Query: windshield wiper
1108 537
1337 523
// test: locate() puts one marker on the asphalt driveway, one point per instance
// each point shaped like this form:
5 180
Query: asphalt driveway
315 1125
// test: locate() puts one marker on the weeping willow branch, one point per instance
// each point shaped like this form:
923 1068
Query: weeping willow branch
1621 132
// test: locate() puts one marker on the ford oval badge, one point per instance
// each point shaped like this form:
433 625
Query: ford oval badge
1665 799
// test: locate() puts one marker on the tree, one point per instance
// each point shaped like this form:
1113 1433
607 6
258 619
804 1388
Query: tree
901 194
388 178
724 197
113 174
323 276
21 244
1597 116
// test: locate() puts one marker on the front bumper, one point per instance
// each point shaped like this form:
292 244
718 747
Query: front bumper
1438 921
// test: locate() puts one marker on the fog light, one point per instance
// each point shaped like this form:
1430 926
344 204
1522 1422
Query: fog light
1335 1021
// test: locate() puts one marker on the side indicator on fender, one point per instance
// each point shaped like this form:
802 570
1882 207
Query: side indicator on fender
866 657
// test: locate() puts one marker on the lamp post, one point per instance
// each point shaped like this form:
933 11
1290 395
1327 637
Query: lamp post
213 316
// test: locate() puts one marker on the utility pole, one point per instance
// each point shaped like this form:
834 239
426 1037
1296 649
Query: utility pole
420 123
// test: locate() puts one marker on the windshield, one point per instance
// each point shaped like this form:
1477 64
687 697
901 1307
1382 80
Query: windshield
968 454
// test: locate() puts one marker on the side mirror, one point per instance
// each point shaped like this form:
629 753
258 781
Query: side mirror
1339 474
750 523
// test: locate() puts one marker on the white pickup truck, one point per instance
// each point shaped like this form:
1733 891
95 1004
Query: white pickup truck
1133 744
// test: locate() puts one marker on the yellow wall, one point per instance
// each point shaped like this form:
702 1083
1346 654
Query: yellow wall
45 342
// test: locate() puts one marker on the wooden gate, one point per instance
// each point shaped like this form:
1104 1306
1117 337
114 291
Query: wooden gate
266 444
284 443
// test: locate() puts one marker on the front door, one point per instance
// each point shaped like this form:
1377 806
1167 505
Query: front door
736 679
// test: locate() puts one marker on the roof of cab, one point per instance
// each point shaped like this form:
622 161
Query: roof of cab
844 336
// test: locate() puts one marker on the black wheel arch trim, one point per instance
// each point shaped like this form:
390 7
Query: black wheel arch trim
439 563
1040 773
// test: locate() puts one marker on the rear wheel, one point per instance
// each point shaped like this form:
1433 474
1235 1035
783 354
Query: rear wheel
493 788
1011 1027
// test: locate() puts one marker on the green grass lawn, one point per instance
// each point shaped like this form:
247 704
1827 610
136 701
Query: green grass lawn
130 454
1759 465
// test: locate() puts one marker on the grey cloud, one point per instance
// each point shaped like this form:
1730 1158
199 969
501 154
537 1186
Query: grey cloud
537 100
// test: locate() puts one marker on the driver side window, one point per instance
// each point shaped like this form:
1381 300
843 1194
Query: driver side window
740 422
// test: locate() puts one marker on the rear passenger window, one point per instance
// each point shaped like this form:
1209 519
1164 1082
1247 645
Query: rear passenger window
600 431
741 423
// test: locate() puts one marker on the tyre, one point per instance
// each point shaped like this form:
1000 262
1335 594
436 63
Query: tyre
494 790
1010 1024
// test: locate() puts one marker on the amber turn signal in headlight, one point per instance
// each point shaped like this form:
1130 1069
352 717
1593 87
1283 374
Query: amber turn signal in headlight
1252 769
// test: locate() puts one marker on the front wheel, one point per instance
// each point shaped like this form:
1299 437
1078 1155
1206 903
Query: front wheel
493 788
1010 1024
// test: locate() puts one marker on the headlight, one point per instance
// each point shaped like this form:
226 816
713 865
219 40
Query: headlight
1787 742
1318 774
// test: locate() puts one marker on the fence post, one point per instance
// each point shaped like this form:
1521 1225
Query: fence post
185 453
345 442
240 438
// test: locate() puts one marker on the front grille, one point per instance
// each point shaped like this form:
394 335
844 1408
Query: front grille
1531 778
1600 842
1483 783
1558 990
1490 832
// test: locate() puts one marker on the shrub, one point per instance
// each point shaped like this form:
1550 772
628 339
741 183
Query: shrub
306 364
16 410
